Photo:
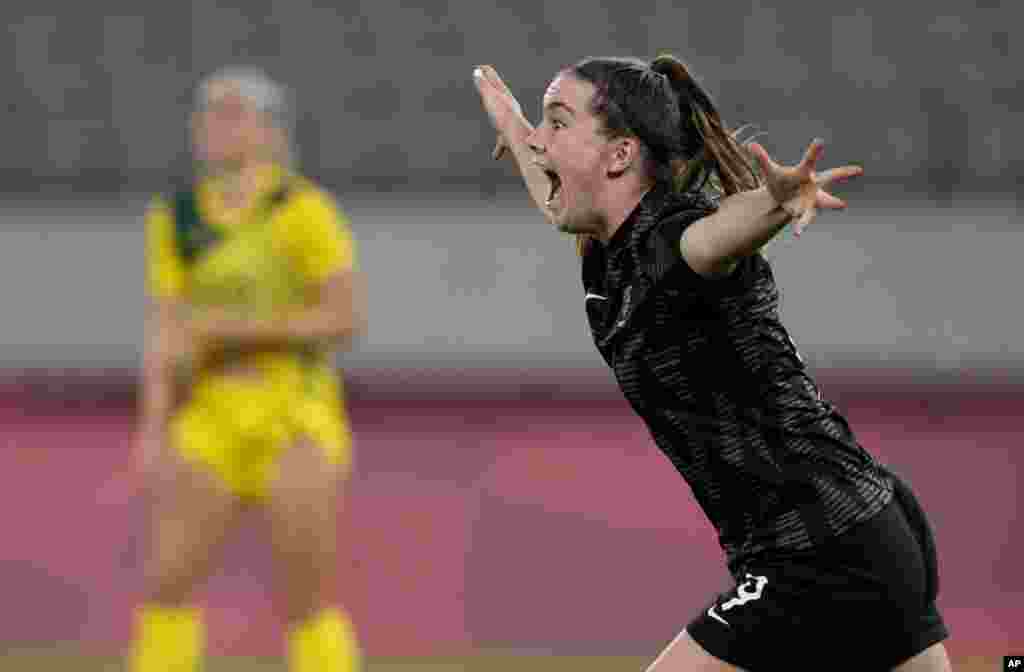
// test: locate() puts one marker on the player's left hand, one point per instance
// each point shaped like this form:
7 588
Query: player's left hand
800 190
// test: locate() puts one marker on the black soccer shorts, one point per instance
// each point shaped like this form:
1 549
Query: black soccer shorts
865 600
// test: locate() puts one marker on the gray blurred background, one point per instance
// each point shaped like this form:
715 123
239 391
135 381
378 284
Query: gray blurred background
509 496
921 271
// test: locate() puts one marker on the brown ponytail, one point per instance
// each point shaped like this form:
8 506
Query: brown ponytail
687 147
718 157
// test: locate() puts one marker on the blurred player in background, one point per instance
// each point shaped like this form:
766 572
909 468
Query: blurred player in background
832 556
253 281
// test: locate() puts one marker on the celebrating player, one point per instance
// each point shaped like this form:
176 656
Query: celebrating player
829 550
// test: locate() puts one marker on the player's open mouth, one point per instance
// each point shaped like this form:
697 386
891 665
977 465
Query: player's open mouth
556 187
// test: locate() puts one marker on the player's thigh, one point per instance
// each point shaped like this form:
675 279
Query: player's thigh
932 659
191 511
301 504
302 491
684 654
301 508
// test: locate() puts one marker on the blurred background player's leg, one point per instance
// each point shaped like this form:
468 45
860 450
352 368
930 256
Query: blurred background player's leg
192 511
686 655
932 659
302 511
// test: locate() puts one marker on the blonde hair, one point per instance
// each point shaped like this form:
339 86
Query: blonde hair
262 92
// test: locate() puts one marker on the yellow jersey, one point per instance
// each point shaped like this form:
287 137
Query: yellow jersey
261 262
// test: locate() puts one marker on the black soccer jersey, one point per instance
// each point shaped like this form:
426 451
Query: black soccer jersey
708 366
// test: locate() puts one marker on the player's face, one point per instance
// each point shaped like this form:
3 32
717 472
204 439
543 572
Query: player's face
574 155
229 130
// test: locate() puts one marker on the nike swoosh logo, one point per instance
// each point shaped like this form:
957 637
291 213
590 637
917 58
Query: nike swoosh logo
590 296
712 614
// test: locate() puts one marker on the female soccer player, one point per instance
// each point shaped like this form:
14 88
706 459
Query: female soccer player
832 557
253 282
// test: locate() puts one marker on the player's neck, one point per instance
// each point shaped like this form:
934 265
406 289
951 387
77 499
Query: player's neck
240 184
620 203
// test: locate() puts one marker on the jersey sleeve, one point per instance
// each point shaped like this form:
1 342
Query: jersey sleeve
665 241
668 252
165 272
321 237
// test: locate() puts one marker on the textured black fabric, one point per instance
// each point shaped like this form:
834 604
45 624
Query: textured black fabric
711 370
873 585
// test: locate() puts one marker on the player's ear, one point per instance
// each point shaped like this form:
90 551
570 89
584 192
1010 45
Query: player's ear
624 155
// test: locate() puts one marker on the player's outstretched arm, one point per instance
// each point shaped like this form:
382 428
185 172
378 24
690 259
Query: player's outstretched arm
746 221
513 129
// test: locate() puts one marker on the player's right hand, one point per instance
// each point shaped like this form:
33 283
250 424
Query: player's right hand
504 110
